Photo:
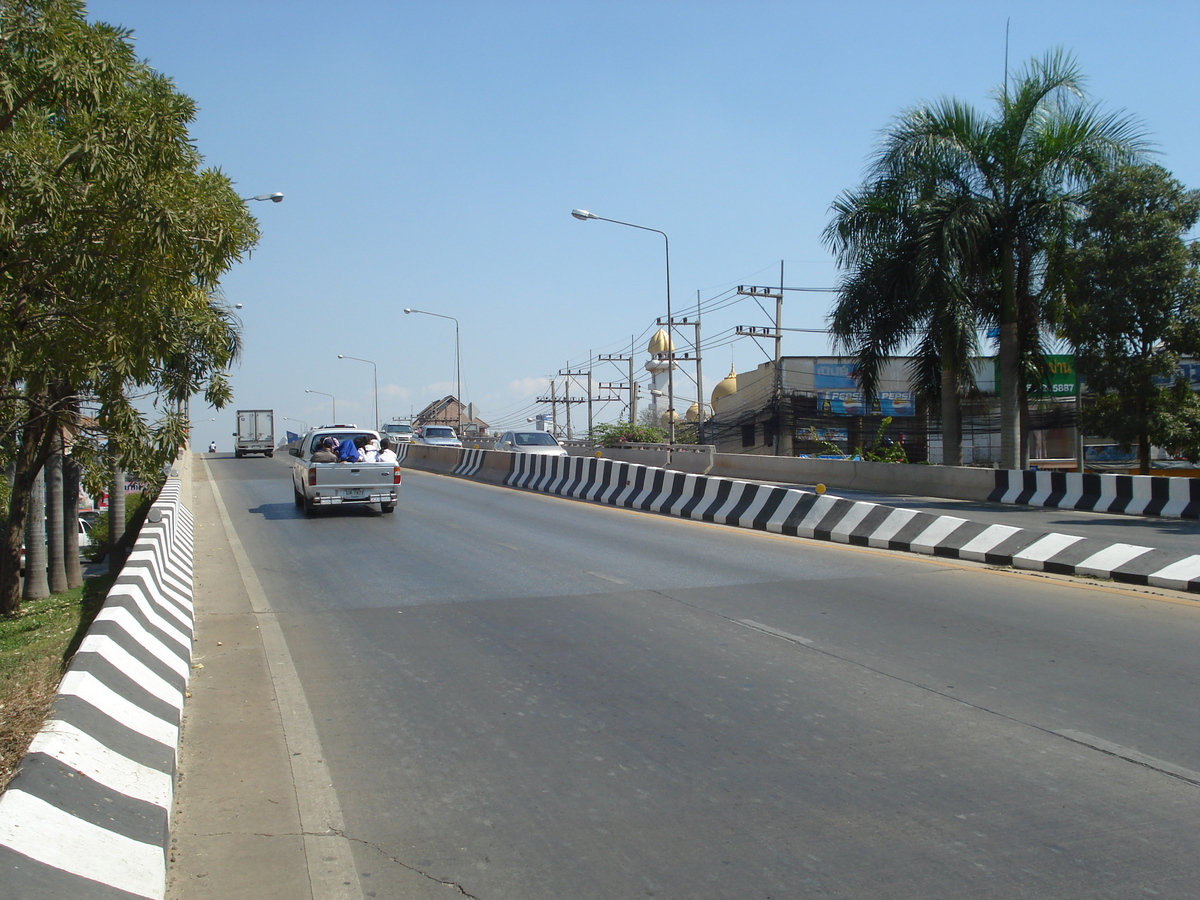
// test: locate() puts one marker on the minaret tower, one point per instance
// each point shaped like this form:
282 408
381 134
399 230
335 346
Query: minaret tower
659 365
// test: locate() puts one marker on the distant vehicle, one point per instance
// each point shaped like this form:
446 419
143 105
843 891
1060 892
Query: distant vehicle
540 443
212 447
341 483
438 436
85 538
397 432
256 432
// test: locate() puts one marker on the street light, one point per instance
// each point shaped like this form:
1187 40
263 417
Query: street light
583 215
297 421
331 397
274 198
376 368
457 358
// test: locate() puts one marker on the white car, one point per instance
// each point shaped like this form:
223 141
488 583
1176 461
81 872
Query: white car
85 539
438 436
397 432
541 443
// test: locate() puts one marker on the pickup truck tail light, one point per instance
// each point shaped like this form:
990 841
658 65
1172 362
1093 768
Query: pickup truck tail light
396 475
312 476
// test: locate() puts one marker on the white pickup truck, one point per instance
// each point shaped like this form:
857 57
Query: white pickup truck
341 483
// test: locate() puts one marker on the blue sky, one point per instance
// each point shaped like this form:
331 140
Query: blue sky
430 154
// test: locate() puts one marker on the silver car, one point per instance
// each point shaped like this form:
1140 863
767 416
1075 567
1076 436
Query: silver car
438 436
541 443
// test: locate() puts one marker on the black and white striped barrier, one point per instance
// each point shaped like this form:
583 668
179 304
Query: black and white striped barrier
824 517
1135 495
469 463
87 814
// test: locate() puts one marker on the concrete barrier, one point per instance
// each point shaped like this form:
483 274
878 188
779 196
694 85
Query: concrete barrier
87 814
1140 495
431 459
1172 497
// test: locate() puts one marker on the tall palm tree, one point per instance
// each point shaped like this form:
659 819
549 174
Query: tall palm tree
904 290
1005 191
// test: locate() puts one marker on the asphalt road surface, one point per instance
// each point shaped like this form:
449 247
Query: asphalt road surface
523 697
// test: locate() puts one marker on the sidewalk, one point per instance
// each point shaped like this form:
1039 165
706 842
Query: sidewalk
235 827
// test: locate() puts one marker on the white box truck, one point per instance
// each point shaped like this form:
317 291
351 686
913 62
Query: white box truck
256 432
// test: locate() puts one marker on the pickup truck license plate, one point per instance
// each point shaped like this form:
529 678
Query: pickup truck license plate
356 494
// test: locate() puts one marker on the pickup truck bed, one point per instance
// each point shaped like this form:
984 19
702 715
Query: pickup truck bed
316 484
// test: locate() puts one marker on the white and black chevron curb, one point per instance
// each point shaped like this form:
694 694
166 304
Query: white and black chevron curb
824 517
87 814
469 462
1135 495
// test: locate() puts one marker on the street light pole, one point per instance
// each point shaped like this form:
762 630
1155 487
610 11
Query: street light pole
331 397
376 370
457 358
276 197
583 215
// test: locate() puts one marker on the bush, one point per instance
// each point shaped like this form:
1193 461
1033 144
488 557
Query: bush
136 508
885 449
627 433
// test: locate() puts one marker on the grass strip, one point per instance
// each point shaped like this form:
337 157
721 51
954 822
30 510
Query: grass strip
35 647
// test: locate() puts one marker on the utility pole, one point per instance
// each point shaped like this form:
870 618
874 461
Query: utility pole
674 357
776 334
616 386
776 294
568 374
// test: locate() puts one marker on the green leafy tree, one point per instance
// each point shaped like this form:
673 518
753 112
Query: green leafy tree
1134 308
1002 193
112 240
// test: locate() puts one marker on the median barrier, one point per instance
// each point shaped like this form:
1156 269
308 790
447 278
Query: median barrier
87 814
1139 495
431 459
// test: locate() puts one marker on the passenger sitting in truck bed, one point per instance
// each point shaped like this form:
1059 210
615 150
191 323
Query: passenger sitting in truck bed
350 451
327 451
371 451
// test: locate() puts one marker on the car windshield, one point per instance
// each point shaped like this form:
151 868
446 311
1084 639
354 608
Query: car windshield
535 438
398 429
432 432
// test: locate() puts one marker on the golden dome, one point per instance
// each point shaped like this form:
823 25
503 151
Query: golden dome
693 412
668 417
660 343
726 386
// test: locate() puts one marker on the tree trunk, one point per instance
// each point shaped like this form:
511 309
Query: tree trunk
29 458
1010 363
56 545
116 520
36 587
1010 402
71 520
952 454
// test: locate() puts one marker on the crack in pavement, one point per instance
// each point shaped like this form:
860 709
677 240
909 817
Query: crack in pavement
378 849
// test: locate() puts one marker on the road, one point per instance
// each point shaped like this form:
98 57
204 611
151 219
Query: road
524 697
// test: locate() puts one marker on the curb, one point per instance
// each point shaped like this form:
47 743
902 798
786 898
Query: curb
1131 495
87 815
